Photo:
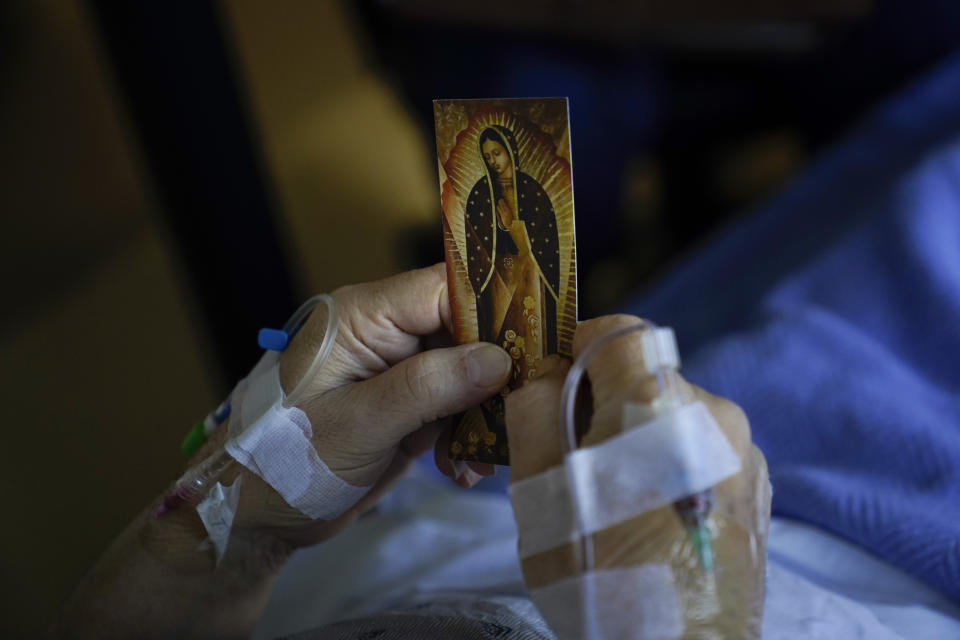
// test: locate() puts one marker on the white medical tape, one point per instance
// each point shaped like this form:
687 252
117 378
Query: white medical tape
273 442
217 510
676 454
625 603
543 511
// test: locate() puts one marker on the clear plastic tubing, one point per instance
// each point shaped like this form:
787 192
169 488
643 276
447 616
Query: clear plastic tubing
692 510
196 481
329 338
568 401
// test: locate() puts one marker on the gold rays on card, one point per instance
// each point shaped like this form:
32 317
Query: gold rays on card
459 173
463 305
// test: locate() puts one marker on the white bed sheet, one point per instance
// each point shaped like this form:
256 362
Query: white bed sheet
428 537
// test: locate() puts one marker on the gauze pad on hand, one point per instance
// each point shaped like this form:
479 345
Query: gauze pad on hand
273 441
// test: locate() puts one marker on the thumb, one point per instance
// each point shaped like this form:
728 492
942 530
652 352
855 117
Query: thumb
433 385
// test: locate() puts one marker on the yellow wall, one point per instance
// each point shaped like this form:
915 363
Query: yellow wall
101 368
103 365
349 168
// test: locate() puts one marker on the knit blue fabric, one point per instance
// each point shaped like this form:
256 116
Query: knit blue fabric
832 316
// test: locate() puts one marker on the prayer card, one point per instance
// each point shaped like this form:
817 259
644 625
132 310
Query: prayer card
506 190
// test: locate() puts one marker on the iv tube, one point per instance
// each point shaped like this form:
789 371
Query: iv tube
197 480
662 360
568 404
326 346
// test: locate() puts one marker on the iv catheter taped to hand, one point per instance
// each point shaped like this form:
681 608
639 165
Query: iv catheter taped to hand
659 523
274 442
675 455
271 437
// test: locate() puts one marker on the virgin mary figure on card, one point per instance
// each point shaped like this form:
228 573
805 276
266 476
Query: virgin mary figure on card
513 257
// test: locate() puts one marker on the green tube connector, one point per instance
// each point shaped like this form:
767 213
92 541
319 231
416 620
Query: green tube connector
194 439
700 537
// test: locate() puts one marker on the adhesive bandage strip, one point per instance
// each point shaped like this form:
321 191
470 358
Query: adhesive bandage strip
676 454
273 441
627 603
217 510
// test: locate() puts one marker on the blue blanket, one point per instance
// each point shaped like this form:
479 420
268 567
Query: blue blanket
832 316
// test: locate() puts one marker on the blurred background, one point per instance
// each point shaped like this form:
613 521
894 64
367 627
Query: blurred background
176 175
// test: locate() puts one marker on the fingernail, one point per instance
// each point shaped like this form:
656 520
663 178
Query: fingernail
487 365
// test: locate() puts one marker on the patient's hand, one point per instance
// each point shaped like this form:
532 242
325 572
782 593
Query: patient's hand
741 503
380 399
376 404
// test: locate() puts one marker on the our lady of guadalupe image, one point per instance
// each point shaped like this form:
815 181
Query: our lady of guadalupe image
507 197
